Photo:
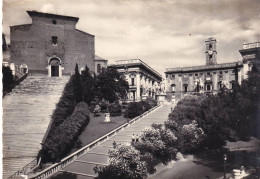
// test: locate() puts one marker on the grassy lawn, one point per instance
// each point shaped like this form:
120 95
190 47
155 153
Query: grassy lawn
97 128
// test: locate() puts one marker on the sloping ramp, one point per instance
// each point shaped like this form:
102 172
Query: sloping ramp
26 115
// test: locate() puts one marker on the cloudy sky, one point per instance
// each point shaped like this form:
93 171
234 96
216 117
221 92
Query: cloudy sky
163 33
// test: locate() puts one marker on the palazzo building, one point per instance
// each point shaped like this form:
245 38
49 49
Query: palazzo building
210 78
51 45
142 79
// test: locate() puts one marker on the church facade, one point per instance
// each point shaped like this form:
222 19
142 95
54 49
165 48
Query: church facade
209 78
51 45
143 80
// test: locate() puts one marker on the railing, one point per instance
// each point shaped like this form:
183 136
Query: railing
251 45
26 169
56 167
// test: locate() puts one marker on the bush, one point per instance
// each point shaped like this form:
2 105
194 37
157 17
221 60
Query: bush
58 145
151 101
134 109
160 143
124 163
104 106
190 138
64 108
115 109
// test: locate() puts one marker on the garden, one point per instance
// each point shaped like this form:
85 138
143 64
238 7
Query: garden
79 117
198 125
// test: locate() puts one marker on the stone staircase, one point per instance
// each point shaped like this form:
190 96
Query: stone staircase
26 115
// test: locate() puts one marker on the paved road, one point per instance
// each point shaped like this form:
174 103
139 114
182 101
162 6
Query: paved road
82 168
26 115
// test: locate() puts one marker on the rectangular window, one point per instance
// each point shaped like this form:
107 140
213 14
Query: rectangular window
133 81
54 40
196 74
208 73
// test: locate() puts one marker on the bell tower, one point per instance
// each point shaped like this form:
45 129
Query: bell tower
211 52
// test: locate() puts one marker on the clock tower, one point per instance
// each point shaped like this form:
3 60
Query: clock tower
211 52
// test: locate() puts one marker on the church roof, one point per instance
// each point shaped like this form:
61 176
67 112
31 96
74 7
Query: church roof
48 15
204 67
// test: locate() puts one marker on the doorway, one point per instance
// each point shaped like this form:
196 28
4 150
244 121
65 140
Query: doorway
54 66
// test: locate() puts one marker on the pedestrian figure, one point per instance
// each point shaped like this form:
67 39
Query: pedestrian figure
133 138
137 138
114 144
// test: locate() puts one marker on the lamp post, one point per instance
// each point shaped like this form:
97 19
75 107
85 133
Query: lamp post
225 159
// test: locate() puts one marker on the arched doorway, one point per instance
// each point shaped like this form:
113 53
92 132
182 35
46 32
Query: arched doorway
23 68
54 67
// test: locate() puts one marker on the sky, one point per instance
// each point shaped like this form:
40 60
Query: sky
162 33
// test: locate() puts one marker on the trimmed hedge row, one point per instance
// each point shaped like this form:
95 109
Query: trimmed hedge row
59 144
137 108
64 108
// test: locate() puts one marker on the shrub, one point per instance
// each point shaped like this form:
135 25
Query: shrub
134 109
160 143
125 162
190 138
115 109
59 144
64 108
104 106
151 101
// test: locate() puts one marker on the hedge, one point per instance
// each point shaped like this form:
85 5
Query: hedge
59 145
137 108
64 108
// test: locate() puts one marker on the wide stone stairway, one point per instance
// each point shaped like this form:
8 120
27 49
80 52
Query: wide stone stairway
82 168
26 115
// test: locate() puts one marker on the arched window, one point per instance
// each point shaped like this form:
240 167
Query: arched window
98 68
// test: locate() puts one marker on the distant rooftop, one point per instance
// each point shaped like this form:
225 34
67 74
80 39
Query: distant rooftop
48 15
204 67
99 58
251 45
135 62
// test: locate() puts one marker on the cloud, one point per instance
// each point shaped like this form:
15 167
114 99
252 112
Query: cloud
163 33
48 8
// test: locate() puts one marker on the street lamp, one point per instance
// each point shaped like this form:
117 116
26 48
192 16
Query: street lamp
225 159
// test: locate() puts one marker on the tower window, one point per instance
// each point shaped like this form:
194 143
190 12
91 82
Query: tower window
54 22
54 40
210 46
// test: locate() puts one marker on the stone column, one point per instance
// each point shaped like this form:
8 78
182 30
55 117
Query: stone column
138 87
239 76
49 70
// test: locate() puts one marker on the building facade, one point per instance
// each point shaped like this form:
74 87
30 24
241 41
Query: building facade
142 79
209 78
99 64
51 45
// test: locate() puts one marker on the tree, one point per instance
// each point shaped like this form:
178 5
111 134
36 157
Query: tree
124 163
111 85
77 86
88 85
7 76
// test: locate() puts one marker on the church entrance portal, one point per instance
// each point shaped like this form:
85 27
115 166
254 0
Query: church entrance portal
54 67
